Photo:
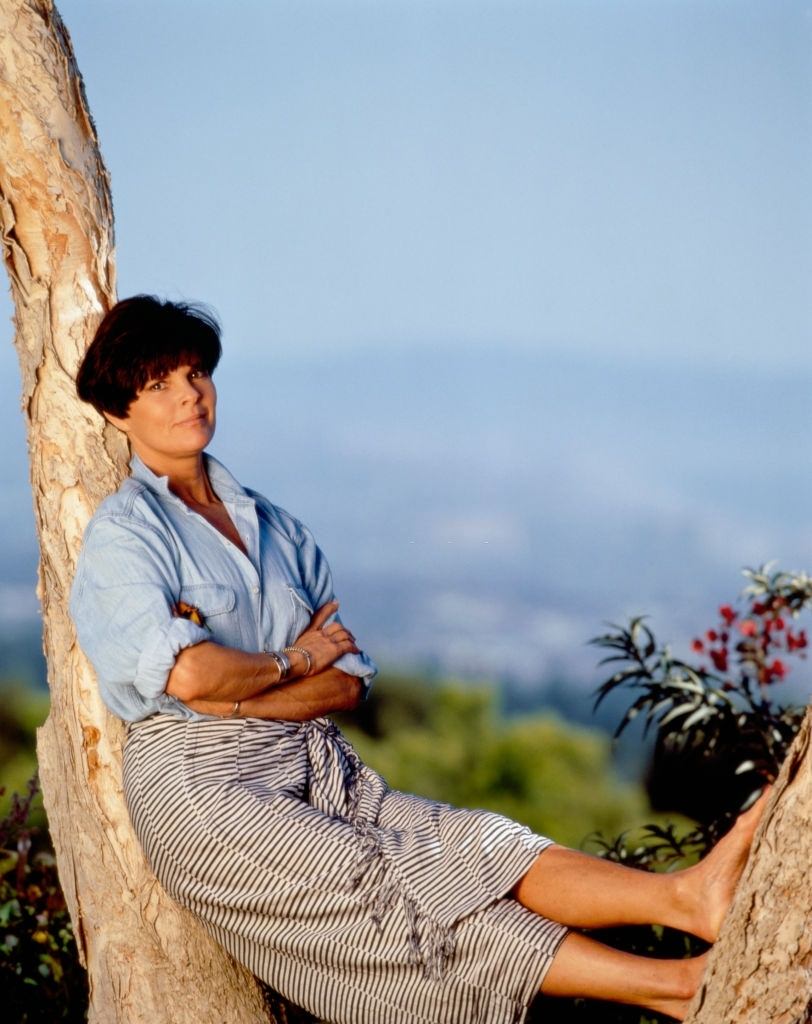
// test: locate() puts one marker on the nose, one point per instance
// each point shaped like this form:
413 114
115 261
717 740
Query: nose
191 390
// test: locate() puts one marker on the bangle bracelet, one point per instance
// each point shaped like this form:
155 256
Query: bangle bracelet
282 662
234 711
305 654
279 667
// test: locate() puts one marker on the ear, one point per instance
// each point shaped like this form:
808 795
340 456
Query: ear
122 424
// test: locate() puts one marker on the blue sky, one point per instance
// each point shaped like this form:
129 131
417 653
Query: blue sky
519 277
609 176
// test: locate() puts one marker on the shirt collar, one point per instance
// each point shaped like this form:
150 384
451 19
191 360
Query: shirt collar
222 481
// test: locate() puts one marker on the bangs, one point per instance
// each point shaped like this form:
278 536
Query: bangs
154 365
152 354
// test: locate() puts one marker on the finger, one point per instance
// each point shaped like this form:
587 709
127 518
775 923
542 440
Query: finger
335 630
321 615
345 647
338 636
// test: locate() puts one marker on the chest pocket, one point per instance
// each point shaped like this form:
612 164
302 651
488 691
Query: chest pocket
302 611
216 603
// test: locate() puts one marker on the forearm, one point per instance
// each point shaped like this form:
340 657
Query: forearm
211 672
298 701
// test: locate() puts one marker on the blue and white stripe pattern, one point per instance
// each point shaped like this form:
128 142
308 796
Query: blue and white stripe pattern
360 904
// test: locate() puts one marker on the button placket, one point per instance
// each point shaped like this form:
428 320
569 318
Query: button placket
246 520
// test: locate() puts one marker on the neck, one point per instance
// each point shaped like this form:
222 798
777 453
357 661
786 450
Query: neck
187 475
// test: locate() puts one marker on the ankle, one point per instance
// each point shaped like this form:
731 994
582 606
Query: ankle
689 977
682 984
686 900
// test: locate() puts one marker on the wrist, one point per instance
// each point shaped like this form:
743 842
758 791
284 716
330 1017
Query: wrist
282 666
233 711
300 661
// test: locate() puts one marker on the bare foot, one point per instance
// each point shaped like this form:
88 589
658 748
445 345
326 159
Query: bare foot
709 886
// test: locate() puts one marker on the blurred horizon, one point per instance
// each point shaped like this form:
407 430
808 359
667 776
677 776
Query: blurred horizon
515 298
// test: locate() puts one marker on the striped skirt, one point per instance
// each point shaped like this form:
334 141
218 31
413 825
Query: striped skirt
358 903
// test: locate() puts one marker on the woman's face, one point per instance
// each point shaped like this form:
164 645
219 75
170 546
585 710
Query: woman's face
172 416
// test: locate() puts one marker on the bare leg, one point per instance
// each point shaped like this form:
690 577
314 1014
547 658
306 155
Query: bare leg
587 969
582 891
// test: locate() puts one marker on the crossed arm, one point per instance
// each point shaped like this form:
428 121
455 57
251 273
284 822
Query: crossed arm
210 678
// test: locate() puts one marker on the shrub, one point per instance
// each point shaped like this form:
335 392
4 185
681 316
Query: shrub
40 975
721 735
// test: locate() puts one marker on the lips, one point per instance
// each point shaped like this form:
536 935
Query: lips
192 420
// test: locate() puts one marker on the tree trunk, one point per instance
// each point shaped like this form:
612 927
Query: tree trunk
760 969
147 959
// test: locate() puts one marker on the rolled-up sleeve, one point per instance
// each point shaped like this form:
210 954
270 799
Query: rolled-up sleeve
122 604
318 581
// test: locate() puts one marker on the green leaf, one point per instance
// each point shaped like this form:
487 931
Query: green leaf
7 910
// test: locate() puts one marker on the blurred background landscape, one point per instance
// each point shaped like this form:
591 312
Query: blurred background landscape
516 318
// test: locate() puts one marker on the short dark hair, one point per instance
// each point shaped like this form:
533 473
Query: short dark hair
142 338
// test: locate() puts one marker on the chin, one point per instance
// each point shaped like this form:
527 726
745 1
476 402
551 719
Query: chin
201 434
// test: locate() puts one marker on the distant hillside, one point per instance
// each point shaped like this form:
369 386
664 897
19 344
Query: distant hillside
485 515
21 657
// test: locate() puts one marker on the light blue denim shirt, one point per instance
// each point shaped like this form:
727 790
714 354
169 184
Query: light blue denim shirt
145 550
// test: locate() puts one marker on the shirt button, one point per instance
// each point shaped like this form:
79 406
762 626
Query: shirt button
254 590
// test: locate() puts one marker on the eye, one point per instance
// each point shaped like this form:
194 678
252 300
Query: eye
199 373
155 385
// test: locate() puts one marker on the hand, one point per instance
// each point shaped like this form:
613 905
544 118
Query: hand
324 644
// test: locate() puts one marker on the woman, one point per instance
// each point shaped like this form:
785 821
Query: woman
209 616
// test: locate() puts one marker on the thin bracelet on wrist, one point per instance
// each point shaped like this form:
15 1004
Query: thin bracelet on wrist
305 654
234 711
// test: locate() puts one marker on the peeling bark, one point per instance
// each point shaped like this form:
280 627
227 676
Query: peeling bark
760 969
147 959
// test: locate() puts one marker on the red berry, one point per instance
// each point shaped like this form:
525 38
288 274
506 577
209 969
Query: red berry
719 659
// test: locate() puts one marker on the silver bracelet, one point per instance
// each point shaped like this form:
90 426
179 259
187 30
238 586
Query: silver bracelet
282 662
234 711
305 654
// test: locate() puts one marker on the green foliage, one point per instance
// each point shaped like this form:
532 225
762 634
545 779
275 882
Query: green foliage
40 976
720 714
718 726
22 710
451 743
